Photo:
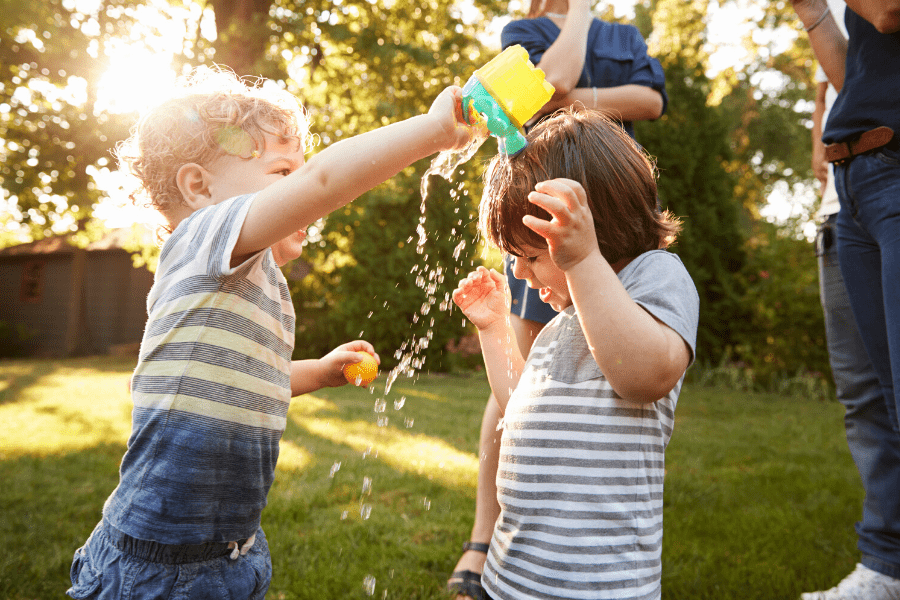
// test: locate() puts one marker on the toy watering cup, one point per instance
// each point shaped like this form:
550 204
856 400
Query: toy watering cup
503 95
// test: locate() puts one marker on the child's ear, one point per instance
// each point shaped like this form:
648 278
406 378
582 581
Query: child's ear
193 183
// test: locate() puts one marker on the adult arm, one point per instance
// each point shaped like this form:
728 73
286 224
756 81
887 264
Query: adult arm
884 15
563 61
630 102
826 39
819 164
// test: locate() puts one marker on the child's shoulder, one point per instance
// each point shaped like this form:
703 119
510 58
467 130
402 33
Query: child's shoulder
652 261
204 233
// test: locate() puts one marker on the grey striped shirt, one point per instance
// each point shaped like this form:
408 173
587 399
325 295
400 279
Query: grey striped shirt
580 479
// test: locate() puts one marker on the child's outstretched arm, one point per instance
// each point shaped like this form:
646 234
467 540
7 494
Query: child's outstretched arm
484 299
328 371
641 357
349 168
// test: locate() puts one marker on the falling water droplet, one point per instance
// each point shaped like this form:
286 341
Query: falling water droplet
334 469
398 404
369 585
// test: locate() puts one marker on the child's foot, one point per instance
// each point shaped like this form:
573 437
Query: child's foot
465 581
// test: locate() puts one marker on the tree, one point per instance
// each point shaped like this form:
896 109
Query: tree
51 59
692 148
368 272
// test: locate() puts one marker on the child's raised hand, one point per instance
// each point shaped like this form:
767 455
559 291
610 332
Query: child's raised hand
570 235
334 362
482 297
447 108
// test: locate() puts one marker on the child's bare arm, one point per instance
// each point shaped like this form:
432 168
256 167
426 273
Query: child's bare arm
347 169
328 371
641 357
484 299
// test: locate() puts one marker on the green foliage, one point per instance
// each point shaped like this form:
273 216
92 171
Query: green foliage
51 138
368 278
786 332
722 148
691 146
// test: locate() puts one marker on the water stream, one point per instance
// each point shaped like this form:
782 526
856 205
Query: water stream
427 278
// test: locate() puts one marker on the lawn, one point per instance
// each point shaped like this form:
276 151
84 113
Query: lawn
375 491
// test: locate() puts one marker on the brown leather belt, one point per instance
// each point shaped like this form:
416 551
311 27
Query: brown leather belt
870 140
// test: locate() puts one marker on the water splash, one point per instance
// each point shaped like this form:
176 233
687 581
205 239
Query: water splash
369 585
445 164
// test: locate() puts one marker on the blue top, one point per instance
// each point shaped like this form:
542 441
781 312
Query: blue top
871 83
617 54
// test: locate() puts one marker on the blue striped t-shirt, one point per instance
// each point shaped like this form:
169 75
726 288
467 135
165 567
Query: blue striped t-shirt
211 389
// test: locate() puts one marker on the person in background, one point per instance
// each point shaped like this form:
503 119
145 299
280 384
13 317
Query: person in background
860 144
594 65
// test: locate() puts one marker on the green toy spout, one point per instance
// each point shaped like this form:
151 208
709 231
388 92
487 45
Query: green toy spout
503 95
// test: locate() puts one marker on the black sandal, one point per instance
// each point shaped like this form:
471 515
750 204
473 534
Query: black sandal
469 582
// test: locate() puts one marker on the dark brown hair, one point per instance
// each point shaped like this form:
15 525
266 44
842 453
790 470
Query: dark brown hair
617 175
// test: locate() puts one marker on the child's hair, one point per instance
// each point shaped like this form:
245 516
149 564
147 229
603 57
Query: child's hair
618 178
212 112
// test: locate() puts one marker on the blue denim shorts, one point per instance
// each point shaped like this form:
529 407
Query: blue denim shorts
113 565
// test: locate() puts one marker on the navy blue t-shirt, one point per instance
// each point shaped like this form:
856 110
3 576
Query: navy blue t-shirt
617 54
871 91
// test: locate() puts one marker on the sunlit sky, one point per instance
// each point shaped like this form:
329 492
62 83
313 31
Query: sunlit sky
139 70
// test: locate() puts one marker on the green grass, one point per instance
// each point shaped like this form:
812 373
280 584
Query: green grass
761 494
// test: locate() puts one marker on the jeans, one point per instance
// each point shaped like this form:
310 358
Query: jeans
868 246
106 569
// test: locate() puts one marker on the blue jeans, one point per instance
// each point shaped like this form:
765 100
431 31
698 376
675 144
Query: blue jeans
868 245
108 568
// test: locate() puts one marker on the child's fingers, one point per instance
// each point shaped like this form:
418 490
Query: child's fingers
539 226
559 196
351 348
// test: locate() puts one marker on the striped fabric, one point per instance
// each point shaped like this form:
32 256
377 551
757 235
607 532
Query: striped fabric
211 389
580 479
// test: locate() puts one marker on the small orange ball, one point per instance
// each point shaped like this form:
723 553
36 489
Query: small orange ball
362 373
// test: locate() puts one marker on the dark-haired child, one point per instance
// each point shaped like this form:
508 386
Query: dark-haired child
589 412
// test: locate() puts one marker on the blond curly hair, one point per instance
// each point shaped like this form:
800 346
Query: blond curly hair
211 112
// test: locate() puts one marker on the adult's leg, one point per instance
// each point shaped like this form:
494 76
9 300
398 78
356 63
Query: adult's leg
869 253
866 418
